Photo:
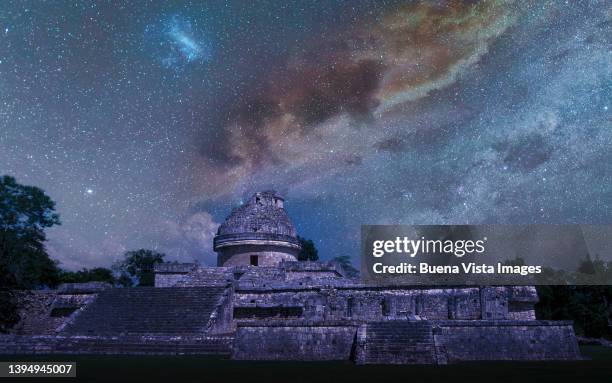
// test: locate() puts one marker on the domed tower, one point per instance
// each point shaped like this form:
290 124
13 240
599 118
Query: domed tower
258 233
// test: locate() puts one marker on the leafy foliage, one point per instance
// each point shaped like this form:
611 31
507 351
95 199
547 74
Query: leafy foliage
309 252
25 212
8 310
138 266
345 262
97 274
588 306
124 280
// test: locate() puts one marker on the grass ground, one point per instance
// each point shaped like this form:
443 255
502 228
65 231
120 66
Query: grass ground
174 369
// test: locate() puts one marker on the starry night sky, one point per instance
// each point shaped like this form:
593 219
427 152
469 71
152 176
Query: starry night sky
147 121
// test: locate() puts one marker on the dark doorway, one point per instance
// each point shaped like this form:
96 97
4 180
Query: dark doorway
254 260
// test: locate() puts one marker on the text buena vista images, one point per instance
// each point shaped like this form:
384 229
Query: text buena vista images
457 248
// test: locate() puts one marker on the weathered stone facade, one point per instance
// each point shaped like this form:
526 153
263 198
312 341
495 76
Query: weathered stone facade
169 274
283 309
258 233
48 311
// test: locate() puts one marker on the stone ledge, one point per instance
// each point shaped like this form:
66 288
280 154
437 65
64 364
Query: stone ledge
174 268
498 323
341 284
298 323
440 323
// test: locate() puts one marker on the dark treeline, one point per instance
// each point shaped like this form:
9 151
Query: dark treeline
588 306
583 296
134 269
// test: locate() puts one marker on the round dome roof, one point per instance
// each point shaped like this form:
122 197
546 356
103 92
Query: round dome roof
263 214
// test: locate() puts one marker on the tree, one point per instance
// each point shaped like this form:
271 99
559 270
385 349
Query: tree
582 296
345 262
138 265
587 306
25 212
308 252
97 274
125 280
8 310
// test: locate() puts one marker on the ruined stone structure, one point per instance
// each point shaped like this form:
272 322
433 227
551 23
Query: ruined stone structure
281 309
258 233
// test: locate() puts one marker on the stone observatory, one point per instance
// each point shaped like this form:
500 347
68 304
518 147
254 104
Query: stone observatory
258 233
261 303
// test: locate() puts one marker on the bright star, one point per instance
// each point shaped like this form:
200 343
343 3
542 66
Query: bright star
89 191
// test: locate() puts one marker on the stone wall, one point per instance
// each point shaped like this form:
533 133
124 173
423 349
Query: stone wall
296 275
169 274
521 302
267 255
366 304
206 276
115 345
34 308
406 341
325 294
221 320
294 341
379 342
48 311
505 340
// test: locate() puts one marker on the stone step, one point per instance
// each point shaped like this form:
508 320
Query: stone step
148 310
402 342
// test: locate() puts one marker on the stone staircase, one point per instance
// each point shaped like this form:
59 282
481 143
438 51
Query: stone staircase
397 342
129 345
148 310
